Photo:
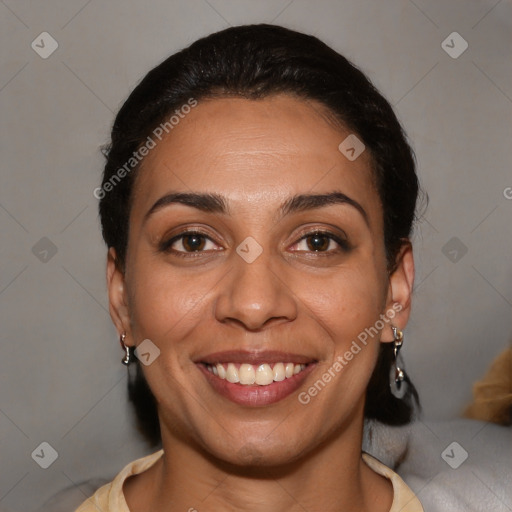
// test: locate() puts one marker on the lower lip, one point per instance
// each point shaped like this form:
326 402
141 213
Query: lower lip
256 396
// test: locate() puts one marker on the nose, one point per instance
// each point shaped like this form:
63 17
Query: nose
255 295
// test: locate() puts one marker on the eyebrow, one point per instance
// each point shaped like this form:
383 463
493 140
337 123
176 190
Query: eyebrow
215 203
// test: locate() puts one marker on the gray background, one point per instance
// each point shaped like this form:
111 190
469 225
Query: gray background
61 379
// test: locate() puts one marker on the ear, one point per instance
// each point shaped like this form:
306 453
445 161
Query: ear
398 302
117 296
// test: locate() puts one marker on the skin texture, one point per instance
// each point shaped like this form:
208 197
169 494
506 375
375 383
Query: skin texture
286 456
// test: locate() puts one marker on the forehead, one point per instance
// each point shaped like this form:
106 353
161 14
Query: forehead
256 153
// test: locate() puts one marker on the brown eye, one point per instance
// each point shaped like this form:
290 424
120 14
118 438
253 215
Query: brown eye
188 242
318 242
193 242
322 242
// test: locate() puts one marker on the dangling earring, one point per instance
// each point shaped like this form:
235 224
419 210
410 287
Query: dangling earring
127 356
397 381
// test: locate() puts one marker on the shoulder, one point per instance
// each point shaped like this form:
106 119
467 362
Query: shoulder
98 501
110 497
404 499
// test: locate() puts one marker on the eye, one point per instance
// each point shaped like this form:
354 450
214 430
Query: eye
191 243
188 242
321 241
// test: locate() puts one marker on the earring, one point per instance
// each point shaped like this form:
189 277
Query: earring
397 381
127 356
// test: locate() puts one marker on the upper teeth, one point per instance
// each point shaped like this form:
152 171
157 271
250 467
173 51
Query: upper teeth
249 374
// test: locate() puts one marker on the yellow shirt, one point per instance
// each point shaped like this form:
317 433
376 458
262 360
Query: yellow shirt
110 497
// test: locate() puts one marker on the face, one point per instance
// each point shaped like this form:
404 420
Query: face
256 254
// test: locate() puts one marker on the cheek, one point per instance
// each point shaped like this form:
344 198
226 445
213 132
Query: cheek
347 302
348 306
167 308
165 305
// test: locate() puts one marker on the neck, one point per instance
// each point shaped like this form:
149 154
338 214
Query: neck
332 478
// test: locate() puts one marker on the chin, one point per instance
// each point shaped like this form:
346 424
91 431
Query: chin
259 453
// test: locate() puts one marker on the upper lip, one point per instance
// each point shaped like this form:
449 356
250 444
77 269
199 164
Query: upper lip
254 357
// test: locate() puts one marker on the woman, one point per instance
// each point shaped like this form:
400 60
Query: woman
257 202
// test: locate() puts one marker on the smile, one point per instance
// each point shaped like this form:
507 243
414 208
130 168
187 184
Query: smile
250 374
255 379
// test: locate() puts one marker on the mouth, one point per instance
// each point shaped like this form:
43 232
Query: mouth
255 379
247 374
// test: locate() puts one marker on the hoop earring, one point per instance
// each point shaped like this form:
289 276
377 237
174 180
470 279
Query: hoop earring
397 382
127 356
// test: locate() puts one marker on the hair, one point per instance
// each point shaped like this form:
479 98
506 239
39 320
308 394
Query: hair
255 62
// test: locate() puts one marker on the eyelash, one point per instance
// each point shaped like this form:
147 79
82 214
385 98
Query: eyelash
344 245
